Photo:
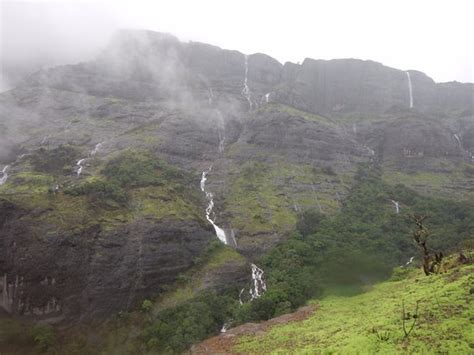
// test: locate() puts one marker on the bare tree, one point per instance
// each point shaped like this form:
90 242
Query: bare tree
431 263
406 316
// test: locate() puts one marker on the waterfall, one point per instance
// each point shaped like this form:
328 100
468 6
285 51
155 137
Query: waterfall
220 233
240 296
210 97
96 149
458 139
79 164
79 167
397 206
259 286
408 262
267 97
410 89
226 326
246 90
4 177
221 142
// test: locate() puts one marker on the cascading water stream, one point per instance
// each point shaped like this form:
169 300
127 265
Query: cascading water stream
220 233
461 147
97 147
259 285
210 97
410 89
4 177
267 97
80 167
79 164
458 139
397 206
408 262
246 90
221 142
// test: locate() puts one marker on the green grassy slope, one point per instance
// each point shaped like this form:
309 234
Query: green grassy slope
371 322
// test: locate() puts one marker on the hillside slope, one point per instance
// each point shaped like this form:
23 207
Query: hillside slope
371 322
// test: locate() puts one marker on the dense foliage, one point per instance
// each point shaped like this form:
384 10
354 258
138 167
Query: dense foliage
174 330
131 169
139 168
54 161
99 190
361 244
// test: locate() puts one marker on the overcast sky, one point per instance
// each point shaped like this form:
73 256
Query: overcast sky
431 36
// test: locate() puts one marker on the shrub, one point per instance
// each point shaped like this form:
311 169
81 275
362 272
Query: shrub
309 221
147 306
100 190
43 337
328 170
400 273
54 161
134 169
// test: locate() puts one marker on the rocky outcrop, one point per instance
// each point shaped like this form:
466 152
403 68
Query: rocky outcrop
144 65
338 87
90 273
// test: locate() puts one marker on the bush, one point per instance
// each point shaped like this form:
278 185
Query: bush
400 273
43 337
134 169
100 190
328 170
54 161
147 306
309 222
175 329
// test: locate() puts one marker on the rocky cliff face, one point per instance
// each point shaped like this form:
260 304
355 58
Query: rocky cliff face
280 139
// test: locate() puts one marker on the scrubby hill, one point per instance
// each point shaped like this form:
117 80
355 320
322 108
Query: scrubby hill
371 322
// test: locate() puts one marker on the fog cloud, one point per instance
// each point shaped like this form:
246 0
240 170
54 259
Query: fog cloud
430 36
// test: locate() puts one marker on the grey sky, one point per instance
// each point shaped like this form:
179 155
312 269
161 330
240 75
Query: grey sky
431 36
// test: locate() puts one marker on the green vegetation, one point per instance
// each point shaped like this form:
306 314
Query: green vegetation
370 322
55 161
277 107
43 337
175 329
437 177
325 257
16 337
99 190
147 306
139 169
360 245
264 197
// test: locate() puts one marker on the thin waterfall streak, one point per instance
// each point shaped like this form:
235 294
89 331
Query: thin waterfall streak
410 89
210 215
4 177
397 206
246 90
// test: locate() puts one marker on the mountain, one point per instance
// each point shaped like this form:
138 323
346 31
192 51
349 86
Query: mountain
102 202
